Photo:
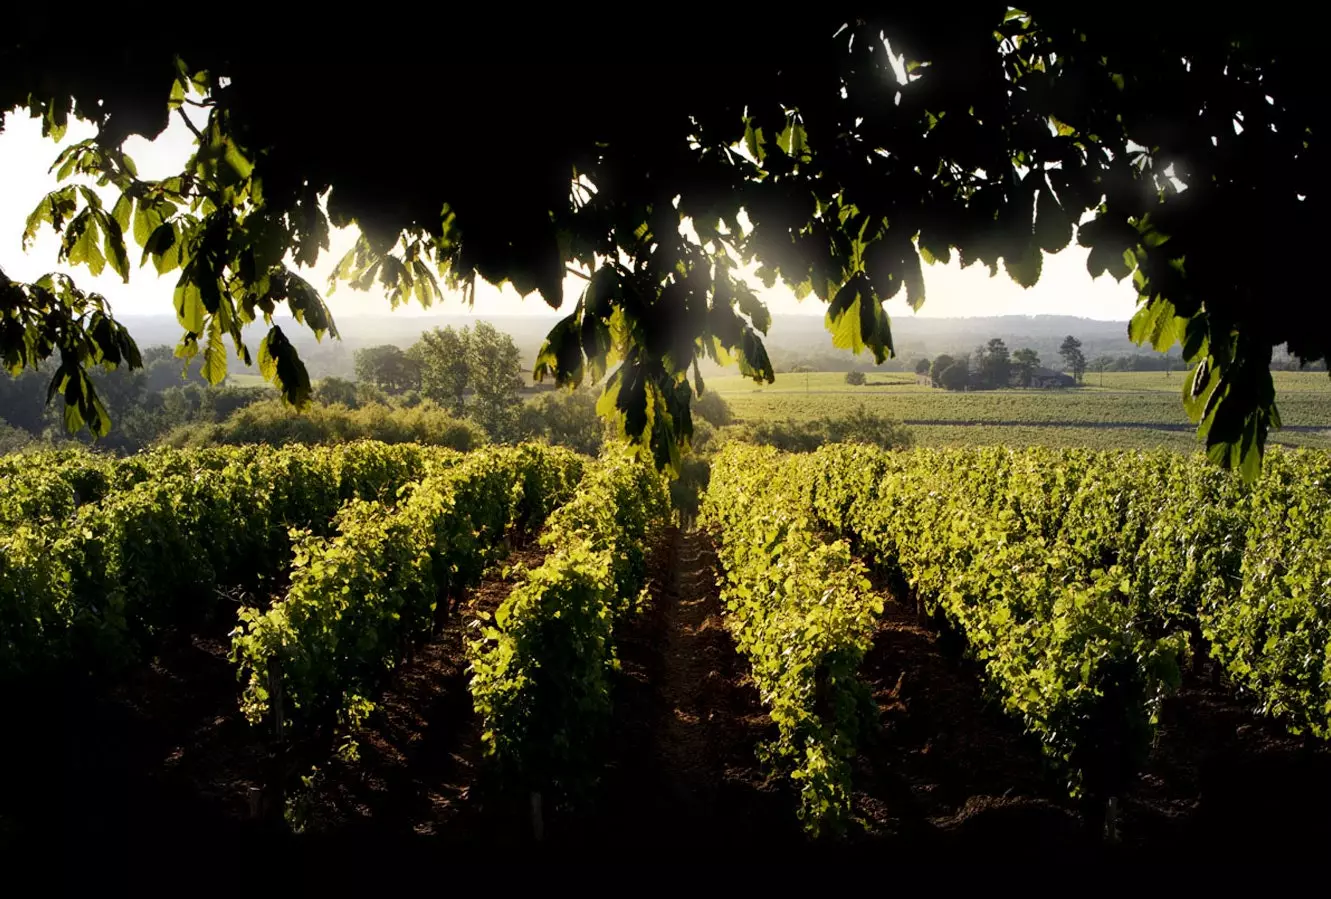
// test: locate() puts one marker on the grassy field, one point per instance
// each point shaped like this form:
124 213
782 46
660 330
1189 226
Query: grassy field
246 379
1131 410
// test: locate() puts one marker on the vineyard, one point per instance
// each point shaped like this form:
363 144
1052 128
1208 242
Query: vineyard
1083 583
516 644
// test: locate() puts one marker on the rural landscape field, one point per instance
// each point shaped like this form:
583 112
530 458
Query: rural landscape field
848 432
1116 410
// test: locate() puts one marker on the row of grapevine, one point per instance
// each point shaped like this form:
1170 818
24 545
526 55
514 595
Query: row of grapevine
1272 627
360 598
1027 561
1082 580
50 484
99 572
801 612
540 673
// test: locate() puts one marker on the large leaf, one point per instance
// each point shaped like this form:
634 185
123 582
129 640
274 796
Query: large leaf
280 364
856 320
1155 322
1053 227
560 355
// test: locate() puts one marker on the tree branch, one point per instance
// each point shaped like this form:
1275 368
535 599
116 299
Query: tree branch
189 124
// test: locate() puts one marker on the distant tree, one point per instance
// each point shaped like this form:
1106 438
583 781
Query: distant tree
496 376
855 378
713 409
994 363
444 357
387 368
1073 359
956 376
940 365
336 390
686 490
922 366
1024 363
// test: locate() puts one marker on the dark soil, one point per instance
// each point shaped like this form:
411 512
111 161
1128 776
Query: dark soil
163 764
419 771
949 770
163 758
682 770
947 767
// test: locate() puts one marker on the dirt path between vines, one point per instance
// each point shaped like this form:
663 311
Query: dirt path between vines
683 769
421 771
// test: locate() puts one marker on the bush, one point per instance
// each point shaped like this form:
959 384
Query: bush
13 439
271 422
337 390
856 378
859 426
714 410
566 419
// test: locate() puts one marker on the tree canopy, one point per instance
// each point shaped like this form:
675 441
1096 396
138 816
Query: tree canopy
839 148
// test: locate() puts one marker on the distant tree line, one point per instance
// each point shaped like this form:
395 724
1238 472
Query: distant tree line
145 404
992 366
453 387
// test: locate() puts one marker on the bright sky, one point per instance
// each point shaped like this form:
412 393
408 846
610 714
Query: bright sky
1065 288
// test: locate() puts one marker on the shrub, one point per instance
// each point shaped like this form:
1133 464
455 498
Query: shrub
861 425
271 422
337 390
856 378
714 410
565 418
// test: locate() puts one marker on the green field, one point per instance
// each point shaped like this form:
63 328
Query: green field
1132 410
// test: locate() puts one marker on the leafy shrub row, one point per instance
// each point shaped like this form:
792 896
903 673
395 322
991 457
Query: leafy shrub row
1081 580
121 550
358 599
801 612
541 672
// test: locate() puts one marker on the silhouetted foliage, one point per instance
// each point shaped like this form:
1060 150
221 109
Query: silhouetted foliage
989 132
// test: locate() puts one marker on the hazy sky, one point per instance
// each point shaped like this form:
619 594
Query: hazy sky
1065 288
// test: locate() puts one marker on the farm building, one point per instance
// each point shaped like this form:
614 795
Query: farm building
1047 377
